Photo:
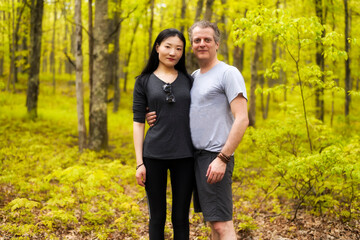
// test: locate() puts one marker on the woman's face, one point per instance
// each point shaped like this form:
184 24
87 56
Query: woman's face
170 51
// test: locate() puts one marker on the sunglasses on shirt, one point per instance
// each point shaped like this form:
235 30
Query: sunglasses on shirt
170 98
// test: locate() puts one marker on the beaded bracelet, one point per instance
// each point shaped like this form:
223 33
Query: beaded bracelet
139 166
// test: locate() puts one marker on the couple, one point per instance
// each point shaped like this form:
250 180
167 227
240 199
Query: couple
199 122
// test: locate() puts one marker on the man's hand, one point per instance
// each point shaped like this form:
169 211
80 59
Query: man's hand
216 171
151 118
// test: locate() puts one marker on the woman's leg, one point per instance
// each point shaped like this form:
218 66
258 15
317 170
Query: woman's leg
155 185
182 184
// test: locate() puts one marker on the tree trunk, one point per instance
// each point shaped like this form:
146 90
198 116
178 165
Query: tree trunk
282 74
238 54
320 61
199 8
20 11
239 57
79 77
152 5
72 46
52 53
44 64
68 65
271 82
209 10
224 51
127 58
115 56
24 47
12 74
98 121
183 15
37 7
191 62
254 79
347 63
91 57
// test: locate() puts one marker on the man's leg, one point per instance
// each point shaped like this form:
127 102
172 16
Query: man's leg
223 230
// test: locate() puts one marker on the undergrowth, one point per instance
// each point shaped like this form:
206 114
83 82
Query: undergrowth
51 191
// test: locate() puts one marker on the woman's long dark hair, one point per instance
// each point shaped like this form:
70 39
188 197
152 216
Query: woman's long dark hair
153 61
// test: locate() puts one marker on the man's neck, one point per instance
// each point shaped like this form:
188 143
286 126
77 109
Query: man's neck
207 65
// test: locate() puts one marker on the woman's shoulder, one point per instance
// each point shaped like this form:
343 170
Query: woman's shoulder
142 79
186 76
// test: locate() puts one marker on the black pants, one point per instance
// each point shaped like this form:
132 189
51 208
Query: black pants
182 183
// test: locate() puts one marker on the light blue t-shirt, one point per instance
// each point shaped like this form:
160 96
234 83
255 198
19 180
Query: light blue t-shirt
210 114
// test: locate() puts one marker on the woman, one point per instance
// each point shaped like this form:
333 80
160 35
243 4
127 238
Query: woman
164 86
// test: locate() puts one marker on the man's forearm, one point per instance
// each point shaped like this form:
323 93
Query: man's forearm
235 136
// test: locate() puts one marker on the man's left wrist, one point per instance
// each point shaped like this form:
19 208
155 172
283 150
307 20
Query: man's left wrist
224 158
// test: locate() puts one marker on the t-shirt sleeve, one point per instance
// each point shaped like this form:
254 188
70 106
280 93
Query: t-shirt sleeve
234 84
139 101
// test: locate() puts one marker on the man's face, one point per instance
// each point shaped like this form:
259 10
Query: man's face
203 44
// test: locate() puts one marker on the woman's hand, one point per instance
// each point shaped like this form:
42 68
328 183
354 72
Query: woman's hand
141 175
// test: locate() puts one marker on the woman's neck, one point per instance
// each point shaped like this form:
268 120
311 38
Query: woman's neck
166 74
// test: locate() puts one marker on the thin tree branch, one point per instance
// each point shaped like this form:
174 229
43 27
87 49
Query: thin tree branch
70 60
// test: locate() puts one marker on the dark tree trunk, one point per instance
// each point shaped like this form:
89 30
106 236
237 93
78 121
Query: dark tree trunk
199 8
347 63
23 41
152 5
68 66
239 57
91 57
271 82
282 74
209 10
12 75
254 80
98 121
191 62
183 15
320 61
115 56
238 54
52 53
37 8
224 50
127 58
15 44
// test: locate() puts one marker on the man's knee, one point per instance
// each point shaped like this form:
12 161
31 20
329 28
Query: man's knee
223 228
219 227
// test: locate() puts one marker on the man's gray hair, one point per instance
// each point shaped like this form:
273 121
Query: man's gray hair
205 24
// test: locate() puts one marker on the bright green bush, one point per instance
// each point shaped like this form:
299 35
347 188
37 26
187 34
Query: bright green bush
279 164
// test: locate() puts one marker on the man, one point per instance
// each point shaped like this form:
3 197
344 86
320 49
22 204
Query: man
218 120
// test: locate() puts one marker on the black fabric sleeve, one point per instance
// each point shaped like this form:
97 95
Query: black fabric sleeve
139 100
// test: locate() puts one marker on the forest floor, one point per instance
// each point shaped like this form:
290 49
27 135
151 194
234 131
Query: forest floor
31 153
267 226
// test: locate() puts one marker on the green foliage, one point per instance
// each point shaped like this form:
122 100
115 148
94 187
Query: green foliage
246 223
323 182
48 187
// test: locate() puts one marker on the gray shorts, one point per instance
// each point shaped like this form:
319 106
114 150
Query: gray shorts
215 199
